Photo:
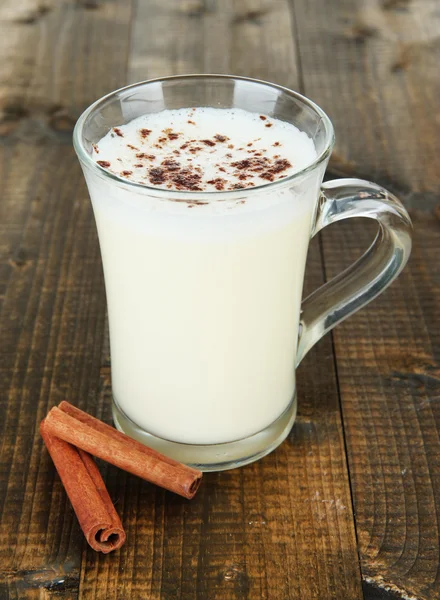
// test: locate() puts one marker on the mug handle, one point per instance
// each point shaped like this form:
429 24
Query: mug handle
369 275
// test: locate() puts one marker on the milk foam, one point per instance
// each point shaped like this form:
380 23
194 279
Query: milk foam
204 149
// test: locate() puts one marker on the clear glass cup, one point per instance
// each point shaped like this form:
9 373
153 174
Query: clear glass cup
204 288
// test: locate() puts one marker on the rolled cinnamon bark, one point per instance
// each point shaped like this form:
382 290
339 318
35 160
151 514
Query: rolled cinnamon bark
91 435
87 493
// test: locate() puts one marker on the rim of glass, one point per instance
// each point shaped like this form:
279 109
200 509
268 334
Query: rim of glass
208 194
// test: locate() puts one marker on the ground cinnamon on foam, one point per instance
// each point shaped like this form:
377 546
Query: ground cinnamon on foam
168 158
71 437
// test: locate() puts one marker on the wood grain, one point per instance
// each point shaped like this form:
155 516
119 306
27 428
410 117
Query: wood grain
52 315
371 66
375 63
281 528
389 384
252 38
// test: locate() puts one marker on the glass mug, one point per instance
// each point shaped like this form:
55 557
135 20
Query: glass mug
206 321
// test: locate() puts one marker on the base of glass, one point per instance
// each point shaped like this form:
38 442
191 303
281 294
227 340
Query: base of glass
214 457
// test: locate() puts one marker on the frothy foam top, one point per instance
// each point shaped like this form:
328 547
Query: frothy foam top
204 149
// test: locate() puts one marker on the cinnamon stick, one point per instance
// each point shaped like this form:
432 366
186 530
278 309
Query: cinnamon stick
87 493
91 435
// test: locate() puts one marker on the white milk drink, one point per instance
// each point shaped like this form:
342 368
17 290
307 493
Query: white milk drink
203 290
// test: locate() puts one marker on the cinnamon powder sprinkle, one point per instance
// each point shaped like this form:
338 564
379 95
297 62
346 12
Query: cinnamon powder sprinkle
187 180
156 176
279 166
172 166
263 166
175 176
219 183
143 155
242 164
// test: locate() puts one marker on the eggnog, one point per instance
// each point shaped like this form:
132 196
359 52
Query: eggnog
203 287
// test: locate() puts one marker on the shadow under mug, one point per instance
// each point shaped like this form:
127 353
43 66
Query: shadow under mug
206 321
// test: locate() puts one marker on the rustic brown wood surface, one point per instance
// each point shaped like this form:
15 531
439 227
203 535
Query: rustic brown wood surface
348 507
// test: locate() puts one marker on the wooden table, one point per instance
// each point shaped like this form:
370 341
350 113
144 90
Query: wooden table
349 506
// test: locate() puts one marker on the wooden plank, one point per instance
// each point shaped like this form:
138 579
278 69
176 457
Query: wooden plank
52 313
251 38
282 528
375 64
58 57
381 57
388 368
